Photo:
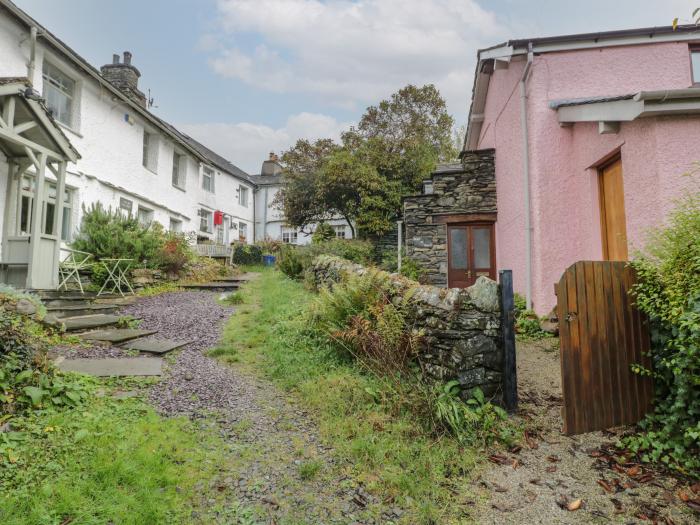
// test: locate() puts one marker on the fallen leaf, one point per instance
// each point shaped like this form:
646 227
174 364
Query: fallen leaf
606 486
499 488
574 505
499 459
633 471
694 504
683 496
696 487
515 449
553 458
617 504
551 469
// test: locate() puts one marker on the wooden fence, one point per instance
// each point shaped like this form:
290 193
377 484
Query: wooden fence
602 335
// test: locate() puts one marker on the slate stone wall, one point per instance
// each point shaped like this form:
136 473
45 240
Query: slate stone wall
462 327
460 188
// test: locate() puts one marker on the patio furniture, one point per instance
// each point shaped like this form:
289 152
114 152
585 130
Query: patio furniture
69 267
116 275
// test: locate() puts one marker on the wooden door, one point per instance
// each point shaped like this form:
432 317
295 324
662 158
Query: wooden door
470 254
612 212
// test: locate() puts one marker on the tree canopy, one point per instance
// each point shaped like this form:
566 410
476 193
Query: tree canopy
394 147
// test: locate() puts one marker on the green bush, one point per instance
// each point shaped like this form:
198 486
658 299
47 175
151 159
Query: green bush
294 260
108 234
324 232
247 254
668 291
410 268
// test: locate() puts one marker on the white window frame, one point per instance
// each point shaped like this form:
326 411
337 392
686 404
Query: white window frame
149 158
695 64
48 208
208 174
243 196
126 211
177 223
51 77
179 176
148 212
290 236
341 231
207 215
242 232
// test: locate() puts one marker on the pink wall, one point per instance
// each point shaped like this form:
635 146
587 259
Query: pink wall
564 188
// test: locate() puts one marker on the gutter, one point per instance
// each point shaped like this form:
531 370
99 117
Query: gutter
526 176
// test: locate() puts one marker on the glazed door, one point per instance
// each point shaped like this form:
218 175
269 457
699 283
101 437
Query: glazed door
612 212
470 254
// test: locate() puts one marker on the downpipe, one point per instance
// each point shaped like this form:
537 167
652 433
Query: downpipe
526 175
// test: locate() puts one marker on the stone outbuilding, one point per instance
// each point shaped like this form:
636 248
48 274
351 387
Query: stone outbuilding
450 227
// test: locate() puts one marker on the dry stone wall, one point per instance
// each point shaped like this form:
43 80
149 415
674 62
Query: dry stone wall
462 327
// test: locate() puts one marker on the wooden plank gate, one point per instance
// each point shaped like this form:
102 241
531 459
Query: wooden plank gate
601 335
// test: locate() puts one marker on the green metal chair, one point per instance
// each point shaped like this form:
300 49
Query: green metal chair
69 267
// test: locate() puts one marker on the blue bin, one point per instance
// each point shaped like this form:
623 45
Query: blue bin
269 260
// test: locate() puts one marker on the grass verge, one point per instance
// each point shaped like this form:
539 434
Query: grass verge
388 452
110 461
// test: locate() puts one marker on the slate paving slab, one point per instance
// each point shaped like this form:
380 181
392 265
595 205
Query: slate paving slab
155 346
86 322
132 366
212 286
116 335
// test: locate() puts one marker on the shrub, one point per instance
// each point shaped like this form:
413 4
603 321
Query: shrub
109 234
247 254
324 232
174 254
668 291
294 260
410 268
270 246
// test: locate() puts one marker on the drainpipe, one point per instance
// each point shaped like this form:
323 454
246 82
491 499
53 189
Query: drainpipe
264 218
526 175
32 54
399 243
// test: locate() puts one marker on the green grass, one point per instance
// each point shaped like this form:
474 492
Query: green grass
112 461
389 452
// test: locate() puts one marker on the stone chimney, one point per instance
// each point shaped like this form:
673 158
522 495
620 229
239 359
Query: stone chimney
125 77
271 166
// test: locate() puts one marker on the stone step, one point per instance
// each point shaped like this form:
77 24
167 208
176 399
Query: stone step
66 295
155 346
130 366
213 286
63 311
116 335
86 322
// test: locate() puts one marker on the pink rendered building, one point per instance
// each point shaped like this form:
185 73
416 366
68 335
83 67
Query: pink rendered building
592 134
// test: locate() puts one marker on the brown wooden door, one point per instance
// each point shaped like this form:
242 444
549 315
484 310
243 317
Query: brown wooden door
612 212
470 254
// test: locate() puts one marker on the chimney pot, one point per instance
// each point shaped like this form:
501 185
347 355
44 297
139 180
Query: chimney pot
115 58
127 58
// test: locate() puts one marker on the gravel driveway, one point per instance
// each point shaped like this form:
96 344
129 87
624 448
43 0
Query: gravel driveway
270 438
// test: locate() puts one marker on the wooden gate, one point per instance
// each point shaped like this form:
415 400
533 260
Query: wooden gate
601 335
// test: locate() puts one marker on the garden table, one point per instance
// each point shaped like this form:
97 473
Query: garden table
116 275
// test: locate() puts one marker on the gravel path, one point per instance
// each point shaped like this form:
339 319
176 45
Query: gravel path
271 440
535 484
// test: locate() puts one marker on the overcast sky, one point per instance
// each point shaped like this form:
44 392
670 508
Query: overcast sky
246 77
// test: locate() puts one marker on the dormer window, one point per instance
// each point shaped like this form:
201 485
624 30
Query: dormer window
695 63
59 92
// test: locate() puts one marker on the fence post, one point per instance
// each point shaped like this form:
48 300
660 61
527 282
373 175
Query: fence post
510 377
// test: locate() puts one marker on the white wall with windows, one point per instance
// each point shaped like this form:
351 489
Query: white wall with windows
128 162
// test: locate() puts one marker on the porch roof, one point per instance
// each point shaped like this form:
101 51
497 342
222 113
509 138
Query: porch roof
26 122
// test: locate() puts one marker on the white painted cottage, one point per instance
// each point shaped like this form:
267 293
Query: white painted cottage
270 221
114 151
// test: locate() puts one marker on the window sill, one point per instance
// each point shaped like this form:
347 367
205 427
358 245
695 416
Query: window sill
183 190
151 170
68 128
208 191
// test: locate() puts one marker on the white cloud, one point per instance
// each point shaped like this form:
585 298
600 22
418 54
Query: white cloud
247 145
351 53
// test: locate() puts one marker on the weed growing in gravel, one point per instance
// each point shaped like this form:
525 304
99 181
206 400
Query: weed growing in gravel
309 469
233 298
158 289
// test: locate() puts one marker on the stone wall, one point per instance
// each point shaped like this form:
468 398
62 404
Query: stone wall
462 327
468 187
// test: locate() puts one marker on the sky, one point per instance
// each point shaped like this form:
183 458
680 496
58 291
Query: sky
246 77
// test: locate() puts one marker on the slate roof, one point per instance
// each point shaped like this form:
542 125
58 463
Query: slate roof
556 104
201 151
267 180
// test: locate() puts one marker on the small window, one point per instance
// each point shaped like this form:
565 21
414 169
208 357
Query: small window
67 224
150 151
125 206
289 236
339 232
179 166
206 220
59 93
175 225
695 63
427 187
208 179
242 231
145 216
243 196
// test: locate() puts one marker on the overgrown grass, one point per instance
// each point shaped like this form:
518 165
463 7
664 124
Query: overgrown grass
390 452
112 461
